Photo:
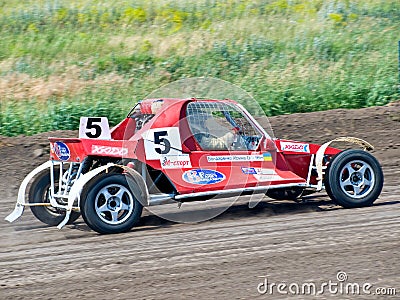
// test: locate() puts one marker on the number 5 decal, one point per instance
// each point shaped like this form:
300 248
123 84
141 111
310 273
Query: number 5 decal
94 128
161 141
158 139
93 123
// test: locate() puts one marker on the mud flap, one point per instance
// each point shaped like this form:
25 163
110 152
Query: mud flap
321 151
144 197
19 207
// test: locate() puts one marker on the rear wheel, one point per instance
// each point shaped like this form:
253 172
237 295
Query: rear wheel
40 193
111 205
354 178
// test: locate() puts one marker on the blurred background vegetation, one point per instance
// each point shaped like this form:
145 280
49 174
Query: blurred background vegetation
60 60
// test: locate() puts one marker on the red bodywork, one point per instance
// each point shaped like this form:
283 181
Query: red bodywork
273 162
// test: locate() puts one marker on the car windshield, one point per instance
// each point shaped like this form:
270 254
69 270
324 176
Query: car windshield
221 126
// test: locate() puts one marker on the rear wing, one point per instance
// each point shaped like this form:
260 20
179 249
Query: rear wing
76 149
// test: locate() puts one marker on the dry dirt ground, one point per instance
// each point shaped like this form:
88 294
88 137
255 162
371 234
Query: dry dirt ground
226 257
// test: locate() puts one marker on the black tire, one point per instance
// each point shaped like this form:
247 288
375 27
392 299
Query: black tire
39 193
326 184
354 178
105 210
284 194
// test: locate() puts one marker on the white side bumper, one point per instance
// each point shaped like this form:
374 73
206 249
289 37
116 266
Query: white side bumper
19 207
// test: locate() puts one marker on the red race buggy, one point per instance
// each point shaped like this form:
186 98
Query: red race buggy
178 150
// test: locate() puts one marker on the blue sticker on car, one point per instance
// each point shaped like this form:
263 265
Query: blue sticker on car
203 176
61 150
248 170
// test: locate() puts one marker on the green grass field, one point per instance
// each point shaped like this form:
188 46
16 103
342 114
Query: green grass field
60 60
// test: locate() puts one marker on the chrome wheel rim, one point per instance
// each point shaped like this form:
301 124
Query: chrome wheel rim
357 179
114 204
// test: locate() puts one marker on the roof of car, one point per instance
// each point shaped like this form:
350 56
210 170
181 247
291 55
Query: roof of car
175 100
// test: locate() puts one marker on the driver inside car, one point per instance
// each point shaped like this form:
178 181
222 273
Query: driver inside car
225 142
212 135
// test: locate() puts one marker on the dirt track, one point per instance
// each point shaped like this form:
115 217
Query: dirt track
222 258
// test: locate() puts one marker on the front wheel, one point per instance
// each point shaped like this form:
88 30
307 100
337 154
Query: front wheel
111 205
354 178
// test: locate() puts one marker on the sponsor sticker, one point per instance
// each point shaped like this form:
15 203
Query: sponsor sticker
262 174
175 161
203 176
266 175
261 171
295 147
249 170
120 151
267 156
240 158
61 150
